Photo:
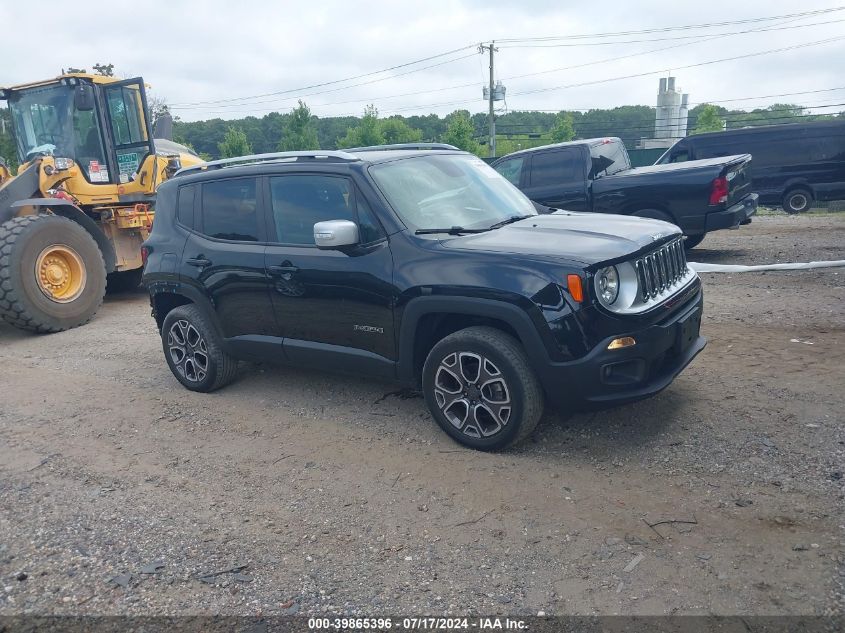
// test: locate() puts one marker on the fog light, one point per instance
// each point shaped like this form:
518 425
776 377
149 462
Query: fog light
619 343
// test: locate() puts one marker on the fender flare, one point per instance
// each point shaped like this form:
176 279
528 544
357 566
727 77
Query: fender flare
195 296
68 210
513 315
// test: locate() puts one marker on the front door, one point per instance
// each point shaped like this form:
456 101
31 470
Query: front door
223 259
334 308
129 128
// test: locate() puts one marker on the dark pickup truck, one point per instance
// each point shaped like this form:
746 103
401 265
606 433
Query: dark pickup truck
596 175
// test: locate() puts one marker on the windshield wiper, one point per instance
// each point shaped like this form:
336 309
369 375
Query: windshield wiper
510 220
455 230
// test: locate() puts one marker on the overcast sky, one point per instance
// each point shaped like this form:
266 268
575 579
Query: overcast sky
192 52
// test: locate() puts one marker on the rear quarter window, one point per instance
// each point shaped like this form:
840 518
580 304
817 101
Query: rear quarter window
230 210
185 206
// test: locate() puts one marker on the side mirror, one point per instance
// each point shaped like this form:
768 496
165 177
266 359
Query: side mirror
83 98
335 234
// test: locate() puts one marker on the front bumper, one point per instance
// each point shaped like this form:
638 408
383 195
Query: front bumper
625 375
733 216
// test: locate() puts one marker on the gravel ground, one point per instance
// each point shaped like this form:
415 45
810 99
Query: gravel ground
300 492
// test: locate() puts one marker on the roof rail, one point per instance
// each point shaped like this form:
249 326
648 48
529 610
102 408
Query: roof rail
383 148
326 155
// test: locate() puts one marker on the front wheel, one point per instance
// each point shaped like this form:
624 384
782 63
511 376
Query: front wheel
481 390
52 275
797 201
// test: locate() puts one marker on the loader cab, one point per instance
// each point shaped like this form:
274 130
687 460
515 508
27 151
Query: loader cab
98 122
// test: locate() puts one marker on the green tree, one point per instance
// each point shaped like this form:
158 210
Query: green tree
708 120
367 132
106 70
460 132
396 130
234 144
564 128
299 132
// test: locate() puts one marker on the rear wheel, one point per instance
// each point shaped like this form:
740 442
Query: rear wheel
193 350
654 214
797 201
692 241
481 390
52 275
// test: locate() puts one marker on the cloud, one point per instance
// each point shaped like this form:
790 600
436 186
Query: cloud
217 51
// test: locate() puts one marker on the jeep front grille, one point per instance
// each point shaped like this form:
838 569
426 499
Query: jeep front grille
661 269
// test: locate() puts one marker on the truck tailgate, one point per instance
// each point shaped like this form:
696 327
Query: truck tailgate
738 173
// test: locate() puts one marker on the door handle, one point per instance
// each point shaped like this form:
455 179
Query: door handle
286 269
199 262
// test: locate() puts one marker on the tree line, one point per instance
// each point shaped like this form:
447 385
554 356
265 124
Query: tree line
299 129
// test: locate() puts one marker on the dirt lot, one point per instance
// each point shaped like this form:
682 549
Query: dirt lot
342 499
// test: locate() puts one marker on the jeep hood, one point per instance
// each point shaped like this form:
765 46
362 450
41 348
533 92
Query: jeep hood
589 238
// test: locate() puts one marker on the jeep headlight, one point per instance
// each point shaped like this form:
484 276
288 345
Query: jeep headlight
607 285
617 287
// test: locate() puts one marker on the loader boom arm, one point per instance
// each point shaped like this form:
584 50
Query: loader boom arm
25 185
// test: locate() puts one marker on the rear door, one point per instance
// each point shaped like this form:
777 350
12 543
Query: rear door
557 179
333 307
223 257
129 128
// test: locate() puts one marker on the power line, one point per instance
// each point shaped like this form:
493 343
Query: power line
663 70
672 28
336 81
548 71
666 39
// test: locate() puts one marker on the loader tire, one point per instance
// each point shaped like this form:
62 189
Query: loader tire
52 274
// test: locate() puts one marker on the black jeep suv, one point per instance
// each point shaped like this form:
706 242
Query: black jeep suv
423 266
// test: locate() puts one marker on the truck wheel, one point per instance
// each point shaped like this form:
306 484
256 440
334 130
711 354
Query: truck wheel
797 201
193 351
693 240
124 281
52 275
654 214
481 390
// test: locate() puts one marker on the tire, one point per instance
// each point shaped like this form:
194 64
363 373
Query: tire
797 201
203 365
693 240
654 214
124 281
478 418
68 290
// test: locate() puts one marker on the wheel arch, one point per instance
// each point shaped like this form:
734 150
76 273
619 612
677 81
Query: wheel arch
67 209
426 320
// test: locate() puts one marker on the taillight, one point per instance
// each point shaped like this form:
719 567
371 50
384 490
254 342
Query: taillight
719 191
145 252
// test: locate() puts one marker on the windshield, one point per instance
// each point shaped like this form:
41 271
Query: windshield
45 121
448 190
608 158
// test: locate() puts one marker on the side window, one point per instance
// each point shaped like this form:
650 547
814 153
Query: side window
511 169
369 228
299 202
681 156
185 206
553 168
229 210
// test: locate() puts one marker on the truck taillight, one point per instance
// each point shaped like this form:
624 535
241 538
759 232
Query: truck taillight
145 252
719 191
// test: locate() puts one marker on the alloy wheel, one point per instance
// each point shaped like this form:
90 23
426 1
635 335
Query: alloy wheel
472 394
188 351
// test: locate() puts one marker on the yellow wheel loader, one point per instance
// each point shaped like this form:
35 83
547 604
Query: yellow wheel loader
83 199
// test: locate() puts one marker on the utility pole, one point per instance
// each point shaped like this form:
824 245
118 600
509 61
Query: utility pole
491 114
